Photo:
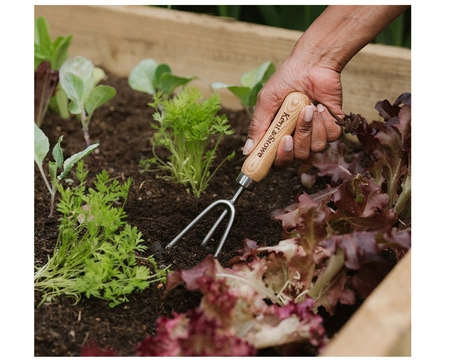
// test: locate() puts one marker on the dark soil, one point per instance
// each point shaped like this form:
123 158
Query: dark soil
160 210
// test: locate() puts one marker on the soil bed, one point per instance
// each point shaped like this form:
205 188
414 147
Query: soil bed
160 210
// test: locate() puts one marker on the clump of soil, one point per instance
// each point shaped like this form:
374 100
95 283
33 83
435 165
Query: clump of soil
160 210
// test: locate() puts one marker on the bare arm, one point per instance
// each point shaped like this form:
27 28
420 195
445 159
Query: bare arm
341 31
314 68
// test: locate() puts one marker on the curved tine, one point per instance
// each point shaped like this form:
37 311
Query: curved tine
227 230
195 221
224 213
211 231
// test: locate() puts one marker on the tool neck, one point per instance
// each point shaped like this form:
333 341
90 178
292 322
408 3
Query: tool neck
246 181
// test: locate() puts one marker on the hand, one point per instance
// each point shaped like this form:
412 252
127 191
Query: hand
315 126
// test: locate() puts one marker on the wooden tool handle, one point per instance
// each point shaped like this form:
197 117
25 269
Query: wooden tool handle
259 162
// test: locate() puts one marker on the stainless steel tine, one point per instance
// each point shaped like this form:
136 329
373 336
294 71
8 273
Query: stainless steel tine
231 209
221 217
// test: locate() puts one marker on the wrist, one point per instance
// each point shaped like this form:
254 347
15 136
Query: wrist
340 32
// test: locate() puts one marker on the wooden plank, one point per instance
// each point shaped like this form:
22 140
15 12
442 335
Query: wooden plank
116 38
382 325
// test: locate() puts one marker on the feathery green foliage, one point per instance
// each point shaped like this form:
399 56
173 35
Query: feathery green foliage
95 254
191 130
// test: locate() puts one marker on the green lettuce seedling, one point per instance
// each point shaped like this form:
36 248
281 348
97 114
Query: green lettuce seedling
251 83
150 77
78 78
41 149
191 130
55 52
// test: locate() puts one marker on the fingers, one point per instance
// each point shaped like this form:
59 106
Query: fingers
332 129
318 133
285 153
302 135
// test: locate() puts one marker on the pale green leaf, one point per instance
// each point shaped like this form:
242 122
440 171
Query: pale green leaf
142 76
242 93
41 145
220 85
160 70
52 169
98 96
73 87
42 33
82 68
260 74
70 162
98 74
169 82
58 153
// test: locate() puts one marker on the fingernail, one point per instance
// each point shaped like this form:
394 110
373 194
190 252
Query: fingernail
309 113
248 147
320 107
288 143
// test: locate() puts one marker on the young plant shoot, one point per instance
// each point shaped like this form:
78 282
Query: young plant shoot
96 251
251 82
78 78
41 149
191 130
45 84
55 53
150 77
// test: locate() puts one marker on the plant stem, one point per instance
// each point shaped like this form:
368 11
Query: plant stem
335 264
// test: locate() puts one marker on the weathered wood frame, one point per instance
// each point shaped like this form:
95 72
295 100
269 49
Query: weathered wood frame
116 38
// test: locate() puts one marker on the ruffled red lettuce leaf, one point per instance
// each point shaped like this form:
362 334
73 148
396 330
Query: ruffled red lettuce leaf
389 145
93 349
193 334
361 204
245 299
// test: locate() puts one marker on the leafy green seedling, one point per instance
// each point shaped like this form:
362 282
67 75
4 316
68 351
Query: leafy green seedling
56 52
251 83
191 130
150 77
41 149
78 78
96 253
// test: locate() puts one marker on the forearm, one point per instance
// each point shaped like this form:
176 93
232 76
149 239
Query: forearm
341 31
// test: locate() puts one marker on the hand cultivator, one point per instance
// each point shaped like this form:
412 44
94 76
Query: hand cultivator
255 167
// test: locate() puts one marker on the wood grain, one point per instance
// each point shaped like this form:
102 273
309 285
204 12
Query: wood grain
116 38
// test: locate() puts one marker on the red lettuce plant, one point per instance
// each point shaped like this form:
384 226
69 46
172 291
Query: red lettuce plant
338 243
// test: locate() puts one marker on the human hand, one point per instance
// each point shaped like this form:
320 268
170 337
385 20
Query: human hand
315 126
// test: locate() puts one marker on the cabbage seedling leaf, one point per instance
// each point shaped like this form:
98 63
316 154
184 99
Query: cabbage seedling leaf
141 77
41 145
73 86
70 162
241 92
98 96
169 82
58 153
160 70
260 74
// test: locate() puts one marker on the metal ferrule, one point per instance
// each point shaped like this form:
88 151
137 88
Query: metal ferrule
246 181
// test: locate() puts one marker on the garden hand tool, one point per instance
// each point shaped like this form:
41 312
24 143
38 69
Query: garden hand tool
255 167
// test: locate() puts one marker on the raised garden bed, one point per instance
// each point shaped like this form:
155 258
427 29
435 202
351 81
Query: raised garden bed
106 35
